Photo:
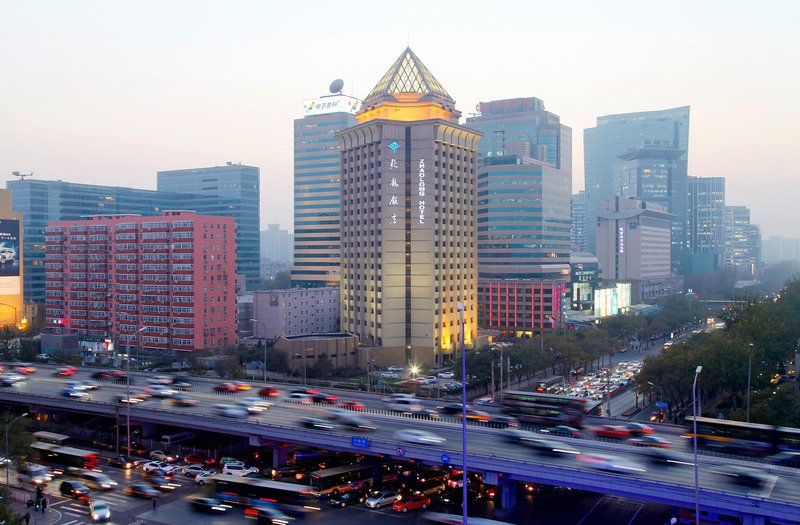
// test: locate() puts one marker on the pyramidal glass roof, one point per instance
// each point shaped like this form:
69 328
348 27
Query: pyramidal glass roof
408 75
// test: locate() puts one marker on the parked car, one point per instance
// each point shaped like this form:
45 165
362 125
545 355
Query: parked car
446 375
348 498
162 465
380 498
413 502
203 478
238 469
193 470
160 455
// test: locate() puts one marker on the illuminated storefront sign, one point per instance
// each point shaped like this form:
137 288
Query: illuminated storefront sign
394 203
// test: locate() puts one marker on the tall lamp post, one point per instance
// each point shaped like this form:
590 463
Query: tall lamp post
7 458
749 373
460 308
128 389
265 350
305 380
694 439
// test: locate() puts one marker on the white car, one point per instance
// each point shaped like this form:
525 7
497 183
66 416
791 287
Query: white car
253 405
238 469
389 374
298 397
99 510
429 380
202 479
232 411
192 471
150 466
446 375
420 437
160 455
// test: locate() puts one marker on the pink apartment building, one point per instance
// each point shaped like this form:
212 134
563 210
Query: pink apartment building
165 283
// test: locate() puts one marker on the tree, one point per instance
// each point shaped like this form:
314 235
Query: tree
281 281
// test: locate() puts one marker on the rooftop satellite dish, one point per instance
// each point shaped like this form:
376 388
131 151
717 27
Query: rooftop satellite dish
337 86
22 175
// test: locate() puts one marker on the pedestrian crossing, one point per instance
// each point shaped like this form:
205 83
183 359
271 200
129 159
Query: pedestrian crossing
77 509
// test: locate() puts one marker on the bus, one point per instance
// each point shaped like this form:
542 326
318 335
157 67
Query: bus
707 517
740 438
454 519
594 408
254 492
64 459
545 409
548 385
337 480
50 437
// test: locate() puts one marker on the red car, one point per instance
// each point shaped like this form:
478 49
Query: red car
242 386
66 371
23 369
351 405
406 503
268 391
612 431
225 387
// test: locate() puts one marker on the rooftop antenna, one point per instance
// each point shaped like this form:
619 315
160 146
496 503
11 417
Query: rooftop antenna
22 175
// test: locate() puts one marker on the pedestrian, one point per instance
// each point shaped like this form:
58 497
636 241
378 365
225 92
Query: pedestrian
44 504
27 518
155 502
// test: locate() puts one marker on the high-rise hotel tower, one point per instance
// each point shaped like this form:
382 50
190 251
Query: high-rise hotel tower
409 249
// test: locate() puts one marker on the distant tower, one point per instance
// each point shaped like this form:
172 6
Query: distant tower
409 219
317 187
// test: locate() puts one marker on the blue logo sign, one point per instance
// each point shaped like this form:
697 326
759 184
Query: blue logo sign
661 404
360 442
394 146
445 458
400 451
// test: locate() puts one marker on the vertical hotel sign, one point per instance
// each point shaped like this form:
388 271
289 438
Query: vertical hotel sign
395 209
421 186
9 257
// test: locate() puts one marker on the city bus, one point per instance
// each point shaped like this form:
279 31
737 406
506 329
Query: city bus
50 437
454 519
545 409
337 480
254 492
738 437
546 386
64 459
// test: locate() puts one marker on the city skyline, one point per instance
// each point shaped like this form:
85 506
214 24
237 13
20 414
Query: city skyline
111 94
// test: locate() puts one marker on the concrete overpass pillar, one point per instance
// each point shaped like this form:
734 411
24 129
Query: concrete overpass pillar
279 455
508 492
752 519
148 430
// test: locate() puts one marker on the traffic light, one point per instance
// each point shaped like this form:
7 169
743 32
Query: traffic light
39 492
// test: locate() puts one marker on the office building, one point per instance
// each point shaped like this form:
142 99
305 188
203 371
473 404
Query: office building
613 136
317 189
232 191
41 202
523 245
585 279
298 311
577 233
706 225
742 243
776 249
633 245
12 312
276 250
164 284
408 220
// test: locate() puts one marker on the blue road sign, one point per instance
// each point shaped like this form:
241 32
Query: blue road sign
661 404
445 458
400 451
360 442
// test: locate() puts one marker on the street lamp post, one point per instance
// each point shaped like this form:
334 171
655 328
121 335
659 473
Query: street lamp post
265 351
460 308
694 439
8 459
749 373
305 381
128 390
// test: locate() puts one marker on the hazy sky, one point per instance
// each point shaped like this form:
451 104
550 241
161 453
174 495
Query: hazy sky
109 92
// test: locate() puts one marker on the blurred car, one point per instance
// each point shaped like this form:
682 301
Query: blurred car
161 484
75 393
181 383
158 465
413 502
650 441
159 473
746 477
141 490
242 386
423 413
210 505
11 379
662 456
203 478
549 446
183 401
785 459
355 422
254 405
322 397
380 498
97 480
72 488
134 398
611 431
269 392
502 422
159 390
123 462
305 390
348 498
160 455
638 429
99 510
85 384
191 459
295 471
225 388
232 411
238 469
65 371
563 430
191 471
316 423
23 368
351 405
420 437
609 463
268 515
299 397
